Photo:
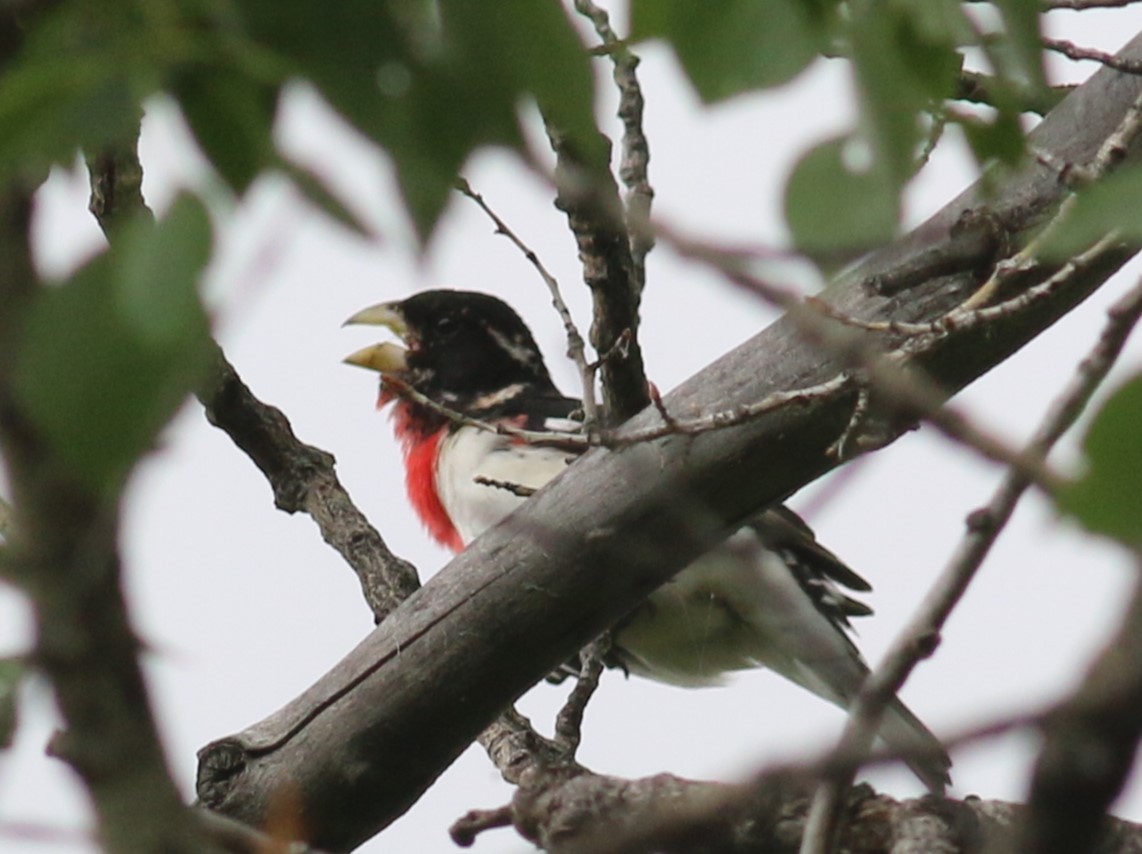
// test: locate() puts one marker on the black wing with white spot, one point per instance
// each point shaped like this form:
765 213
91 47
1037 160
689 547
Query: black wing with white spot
819 572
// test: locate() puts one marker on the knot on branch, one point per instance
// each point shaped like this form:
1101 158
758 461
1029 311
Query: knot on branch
219 764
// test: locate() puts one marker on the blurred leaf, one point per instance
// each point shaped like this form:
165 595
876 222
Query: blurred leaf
731 46
1020 55
1108 498
940 22
530 49
490 59
231 115
314 187
1115 202
1000 138
832 209
432 82
107 358
903 67
341 49
11 673
76 83
155 276
48 114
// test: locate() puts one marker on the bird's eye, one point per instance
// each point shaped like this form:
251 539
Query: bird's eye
445 324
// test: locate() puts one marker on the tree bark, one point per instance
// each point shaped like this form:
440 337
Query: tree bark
361 745
666 815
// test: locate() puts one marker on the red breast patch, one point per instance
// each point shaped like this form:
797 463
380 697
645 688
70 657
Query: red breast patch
420 449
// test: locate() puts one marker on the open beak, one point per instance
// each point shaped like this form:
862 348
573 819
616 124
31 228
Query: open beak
386 358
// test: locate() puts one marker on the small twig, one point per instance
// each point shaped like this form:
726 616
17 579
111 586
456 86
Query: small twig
470 825
619 350
1077 52
973 312
530 437
1079 5
576 349
732 417
975 309
840 447
569 721
903 391
718 420
1109 155
906 392
514 488
939 117
668 420
984 526
47 834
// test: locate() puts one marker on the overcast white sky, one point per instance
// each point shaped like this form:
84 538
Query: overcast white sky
242 607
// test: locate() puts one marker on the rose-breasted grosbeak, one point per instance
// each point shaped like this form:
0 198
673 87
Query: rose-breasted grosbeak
768 596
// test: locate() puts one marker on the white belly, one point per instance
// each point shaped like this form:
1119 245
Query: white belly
471 462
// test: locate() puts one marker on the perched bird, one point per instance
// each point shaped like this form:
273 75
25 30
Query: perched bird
770 595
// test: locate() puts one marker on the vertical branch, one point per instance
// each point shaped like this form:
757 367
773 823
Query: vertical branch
613 262
635 148
117 184
587 193
64 555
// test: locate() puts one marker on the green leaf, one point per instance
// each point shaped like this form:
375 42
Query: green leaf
314 187
1000 138
902 69
1020 55
77 82
432 82
1107 499
48 113
731 46
939 22
12 671
491 58
1113 203
106 358
528 49
832 209
231 115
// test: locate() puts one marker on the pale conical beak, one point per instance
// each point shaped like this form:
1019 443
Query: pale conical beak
386 358
384 314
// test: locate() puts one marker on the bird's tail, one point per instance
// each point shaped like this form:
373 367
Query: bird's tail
921 751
